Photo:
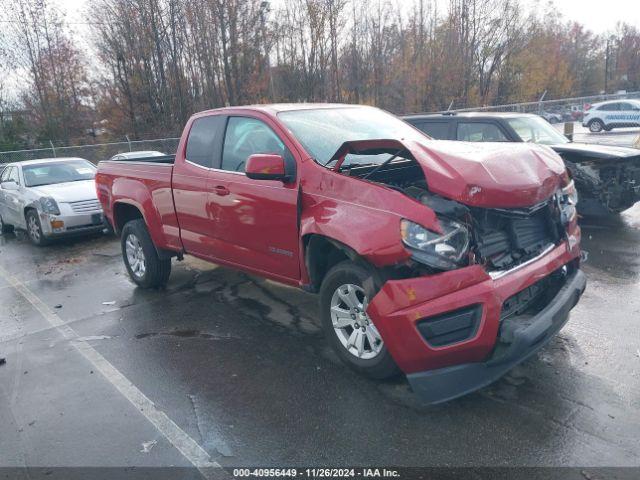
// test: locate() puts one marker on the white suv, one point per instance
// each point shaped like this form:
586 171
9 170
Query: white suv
612 114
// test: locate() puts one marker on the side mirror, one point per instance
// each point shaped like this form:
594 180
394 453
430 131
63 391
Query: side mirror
10 185
264 166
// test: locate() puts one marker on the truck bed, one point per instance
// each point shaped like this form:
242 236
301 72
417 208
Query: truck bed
146 185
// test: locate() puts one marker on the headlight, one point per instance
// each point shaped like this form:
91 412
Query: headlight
49 205
444 251
567 201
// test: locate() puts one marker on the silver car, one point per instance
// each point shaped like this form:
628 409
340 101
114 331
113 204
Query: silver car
50 198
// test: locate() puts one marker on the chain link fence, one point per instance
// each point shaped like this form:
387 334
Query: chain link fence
556 111
560 106
93 153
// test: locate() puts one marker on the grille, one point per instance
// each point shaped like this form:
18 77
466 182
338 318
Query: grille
507 238
85 206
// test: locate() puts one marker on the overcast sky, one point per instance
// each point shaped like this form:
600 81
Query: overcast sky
598 15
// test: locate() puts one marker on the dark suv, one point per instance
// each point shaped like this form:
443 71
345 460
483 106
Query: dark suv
607 177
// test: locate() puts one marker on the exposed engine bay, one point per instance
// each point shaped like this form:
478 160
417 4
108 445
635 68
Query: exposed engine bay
605 186
501 239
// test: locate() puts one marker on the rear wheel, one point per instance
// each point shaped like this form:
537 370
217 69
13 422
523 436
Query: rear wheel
344 298
596 126
141 258
34 229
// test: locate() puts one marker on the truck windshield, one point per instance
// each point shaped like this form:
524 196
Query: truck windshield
321 132
58 172
536 130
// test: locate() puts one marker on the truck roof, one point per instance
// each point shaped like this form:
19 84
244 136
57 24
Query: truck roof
274 108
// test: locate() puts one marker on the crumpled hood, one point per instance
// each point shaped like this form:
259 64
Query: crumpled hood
593 151
68 192
490 175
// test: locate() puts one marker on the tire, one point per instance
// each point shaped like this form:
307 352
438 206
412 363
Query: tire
368 357
4 228
34 229
596 126
145 267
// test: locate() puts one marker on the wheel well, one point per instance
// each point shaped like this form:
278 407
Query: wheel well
123 213
322 253
27 209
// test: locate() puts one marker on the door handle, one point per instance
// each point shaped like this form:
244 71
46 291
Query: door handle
222 191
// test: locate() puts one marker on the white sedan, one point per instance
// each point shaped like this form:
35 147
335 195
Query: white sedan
50 198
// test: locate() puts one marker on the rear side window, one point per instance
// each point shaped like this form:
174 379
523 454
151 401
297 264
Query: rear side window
437 130
203 144
480 132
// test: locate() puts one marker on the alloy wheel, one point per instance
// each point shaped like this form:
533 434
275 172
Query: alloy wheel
135 256
351 323
33 228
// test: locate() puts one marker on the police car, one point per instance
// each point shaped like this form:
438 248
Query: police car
612 114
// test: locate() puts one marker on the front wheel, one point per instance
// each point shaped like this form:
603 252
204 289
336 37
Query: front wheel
344 298
141 258
34 229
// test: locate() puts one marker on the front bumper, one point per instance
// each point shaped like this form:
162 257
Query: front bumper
71 224
447 383
403 307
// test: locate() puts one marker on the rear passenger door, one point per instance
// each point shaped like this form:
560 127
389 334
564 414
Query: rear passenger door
191 184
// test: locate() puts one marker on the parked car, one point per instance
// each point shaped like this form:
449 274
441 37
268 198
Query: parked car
552 118
138 154
50 198
612 114
607 177
452 262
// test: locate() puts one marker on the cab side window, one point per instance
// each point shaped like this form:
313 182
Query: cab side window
204 140
480 132
245 137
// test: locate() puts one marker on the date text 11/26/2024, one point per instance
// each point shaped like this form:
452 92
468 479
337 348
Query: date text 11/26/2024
316 473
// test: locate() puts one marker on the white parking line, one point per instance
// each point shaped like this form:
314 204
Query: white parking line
186 445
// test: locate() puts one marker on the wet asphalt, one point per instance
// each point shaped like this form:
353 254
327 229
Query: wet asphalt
239 364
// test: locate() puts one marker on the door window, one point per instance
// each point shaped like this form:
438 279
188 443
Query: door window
610 107
480 132
437 130
204 140
14 176
5 174
245 137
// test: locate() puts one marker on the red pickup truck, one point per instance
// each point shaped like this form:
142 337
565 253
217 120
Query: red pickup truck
449 261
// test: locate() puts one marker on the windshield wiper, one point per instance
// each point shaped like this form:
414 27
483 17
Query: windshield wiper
384 164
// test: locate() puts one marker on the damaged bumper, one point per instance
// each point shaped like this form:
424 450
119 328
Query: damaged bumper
525 336
458 331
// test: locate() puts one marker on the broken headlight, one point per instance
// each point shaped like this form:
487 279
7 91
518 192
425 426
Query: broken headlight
567 198
49 205
444 251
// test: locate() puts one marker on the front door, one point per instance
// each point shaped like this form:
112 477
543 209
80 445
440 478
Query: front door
11 209
255 220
